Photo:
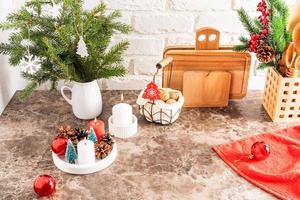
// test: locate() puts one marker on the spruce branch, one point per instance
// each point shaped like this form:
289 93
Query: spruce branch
265 65
55 40
278 33
115 71
244 40
115 53
26 93
247 21
258 24
241 48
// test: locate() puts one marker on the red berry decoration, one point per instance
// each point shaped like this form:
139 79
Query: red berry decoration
44 185
59 146
262 7
260 151
151 92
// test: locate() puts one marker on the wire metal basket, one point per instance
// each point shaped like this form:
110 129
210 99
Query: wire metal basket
158 111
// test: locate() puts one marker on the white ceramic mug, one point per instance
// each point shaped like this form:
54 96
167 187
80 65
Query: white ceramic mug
86 99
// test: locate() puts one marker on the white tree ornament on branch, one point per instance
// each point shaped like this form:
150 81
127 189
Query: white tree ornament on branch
30 64
81 48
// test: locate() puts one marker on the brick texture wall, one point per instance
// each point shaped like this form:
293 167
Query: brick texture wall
158 23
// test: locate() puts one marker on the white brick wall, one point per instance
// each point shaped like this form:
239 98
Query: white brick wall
158 23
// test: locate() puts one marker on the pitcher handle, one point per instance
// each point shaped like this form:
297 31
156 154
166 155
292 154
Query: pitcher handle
63 93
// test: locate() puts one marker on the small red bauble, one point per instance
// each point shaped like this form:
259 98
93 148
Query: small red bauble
59 146
260 151
44 185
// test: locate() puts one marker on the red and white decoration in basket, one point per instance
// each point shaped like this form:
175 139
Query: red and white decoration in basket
160 105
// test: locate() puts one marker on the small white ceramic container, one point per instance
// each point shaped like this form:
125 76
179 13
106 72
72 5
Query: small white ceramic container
123 131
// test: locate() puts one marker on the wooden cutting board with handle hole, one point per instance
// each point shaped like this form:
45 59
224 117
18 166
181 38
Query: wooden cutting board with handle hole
186 68
206 88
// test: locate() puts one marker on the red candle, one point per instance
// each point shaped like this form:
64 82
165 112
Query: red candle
99 128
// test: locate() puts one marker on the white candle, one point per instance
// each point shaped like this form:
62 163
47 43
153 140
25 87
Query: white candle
86 152
122 114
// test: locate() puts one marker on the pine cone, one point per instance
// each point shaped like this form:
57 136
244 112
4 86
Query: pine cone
265 53
102 150
81 133
108 139
64 132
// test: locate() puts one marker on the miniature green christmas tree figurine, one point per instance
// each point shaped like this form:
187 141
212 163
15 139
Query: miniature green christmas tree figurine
71 155
92 136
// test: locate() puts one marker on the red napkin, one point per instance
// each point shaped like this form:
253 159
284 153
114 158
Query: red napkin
279 174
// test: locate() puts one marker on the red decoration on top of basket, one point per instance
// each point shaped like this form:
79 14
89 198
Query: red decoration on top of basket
151 92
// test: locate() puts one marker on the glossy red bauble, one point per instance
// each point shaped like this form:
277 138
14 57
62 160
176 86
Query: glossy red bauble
260 151
59 146
44 185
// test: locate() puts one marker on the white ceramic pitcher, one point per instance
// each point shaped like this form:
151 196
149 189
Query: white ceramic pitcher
86 99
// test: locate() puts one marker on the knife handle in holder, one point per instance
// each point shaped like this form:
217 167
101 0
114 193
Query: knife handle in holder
165 62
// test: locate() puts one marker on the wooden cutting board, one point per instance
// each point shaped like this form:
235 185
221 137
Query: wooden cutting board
206 88
206 55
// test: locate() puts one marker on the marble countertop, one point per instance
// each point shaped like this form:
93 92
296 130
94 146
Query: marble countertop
161 162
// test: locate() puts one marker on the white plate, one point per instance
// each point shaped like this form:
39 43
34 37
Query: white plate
64 166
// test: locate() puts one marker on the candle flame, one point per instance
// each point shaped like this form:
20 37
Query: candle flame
95 119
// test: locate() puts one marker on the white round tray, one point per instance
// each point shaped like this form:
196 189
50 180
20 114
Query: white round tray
64 166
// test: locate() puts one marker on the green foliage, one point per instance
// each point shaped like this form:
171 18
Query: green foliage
247 22
92 136
71 154
243 46
55 40
278 37
265 65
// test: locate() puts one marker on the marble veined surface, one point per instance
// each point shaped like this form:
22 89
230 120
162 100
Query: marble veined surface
160 163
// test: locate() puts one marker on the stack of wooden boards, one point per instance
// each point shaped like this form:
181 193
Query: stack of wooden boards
208 75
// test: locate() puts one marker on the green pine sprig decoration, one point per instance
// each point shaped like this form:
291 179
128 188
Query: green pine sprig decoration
247 22
278 36
55 39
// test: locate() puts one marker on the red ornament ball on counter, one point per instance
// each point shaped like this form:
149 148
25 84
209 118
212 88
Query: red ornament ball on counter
44 185
59 146
260 151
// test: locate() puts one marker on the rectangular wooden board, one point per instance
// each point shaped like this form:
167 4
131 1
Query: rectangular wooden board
186 58
206 88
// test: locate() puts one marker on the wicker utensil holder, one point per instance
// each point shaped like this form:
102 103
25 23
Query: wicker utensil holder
281 97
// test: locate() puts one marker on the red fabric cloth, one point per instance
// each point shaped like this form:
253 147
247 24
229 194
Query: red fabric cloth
279 174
